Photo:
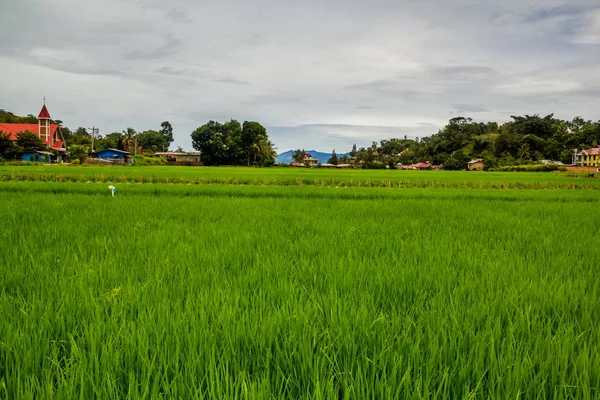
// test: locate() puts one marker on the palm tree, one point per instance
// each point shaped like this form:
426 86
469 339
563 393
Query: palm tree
298 156
524 152
130 138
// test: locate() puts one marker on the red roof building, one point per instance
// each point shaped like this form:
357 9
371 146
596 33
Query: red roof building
49 133
44 114
420 165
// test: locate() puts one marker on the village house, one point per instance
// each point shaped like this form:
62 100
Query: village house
475 164
589 157
47 131
310 161
417 166
115 156
182 158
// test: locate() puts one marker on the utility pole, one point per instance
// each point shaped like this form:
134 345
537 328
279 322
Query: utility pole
94 131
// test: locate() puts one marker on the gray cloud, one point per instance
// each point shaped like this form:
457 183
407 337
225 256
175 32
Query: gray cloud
468 108
319 74
169 47
233 81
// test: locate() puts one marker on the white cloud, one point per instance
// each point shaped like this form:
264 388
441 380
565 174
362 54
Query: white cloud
403 66
591 33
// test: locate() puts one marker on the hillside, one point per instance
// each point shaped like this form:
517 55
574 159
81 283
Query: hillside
286 158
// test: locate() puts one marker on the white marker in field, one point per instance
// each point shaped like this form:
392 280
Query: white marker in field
112 190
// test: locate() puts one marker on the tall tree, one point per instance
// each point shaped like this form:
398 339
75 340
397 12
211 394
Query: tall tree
298 156
167 131
233 144
79 136
233 141
208 139
115 140
130 138
152 141
256 142
333 159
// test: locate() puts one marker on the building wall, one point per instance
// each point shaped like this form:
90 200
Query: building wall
186 158
590 160
583 169
35 157
476 166
110 155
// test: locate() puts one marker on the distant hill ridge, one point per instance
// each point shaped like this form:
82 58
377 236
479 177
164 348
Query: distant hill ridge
286 158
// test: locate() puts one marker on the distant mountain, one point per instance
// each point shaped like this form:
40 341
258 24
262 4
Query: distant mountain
286 158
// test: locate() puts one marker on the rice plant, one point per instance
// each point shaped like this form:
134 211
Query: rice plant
260 292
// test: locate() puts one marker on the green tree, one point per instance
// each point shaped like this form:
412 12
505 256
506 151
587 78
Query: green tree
10 118
208 139
79 136
167 131
78 152
353 152
333 159
235 152
234 144
256 143
114 140
406 157
8 148
130 139
152 141
298 156
29 142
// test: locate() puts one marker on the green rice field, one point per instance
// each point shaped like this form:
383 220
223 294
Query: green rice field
300 177
306 291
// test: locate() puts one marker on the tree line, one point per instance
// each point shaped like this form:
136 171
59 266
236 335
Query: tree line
230 143
523 140
81 141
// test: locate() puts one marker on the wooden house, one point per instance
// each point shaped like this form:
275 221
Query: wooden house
475 164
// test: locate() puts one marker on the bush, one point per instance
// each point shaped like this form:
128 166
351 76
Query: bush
142 160
21 163
373 165
530 168
78 152
76 161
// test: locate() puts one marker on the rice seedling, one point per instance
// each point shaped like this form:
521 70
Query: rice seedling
301 177
299 292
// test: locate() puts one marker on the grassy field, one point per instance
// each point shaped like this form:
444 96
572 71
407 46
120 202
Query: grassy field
268 292
299 176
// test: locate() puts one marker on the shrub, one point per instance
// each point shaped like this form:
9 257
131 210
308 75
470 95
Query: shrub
142 160
373 165
530 168
78 152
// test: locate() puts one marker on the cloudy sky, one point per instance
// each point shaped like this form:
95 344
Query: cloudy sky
318 74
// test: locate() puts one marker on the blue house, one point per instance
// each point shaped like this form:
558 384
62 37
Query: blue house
38 156
114 155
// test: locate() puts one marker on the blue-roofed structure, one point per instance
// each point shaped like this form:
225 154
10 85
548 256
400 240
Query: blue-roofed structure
114 155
